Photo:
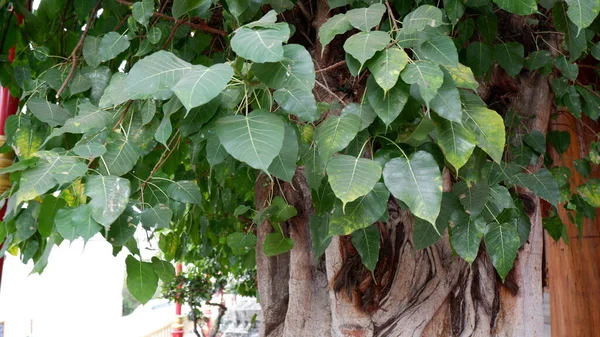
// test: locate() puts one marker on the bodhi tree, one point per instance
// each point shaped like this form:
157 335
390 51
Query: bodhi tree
377 168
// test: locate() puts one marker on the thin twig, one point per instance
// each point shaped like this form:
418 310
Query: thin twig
331 67
389 8
163 158
331 93
76 49
198 26
173 31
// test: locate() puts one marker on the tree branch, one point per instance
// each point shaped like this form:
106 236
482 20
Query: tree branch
331 67
173 31
76 49
198 26
331 93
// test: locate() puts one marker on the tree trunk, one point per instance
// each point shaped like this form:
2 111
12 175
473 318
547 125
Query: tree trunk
429 292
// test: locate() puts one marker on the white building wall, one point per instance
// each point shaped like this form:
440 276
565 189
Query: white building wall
78 294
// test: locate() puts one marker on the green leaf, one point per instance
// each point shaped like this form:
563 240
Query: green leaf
47 112
154 35
89 117
283 212
463 77
440 49
111 45
50 205
100 78
591 102
276 243
319 234
72 223
241 243
537 59
424 234
79 83
351 178
427 76
456 141
366 18
479 57
521 7
502 243
164 269
466 235
296 70
575 39
560 140
215 152
261 44
337 24
417 182
142 11
360 213
335 133
255 139
158 216
185 191
155 75
455 9
366 242
200 84
387 65
583 12
121 155
387 106
52 169
472 196
590 192
510 56
541 183
91 51
284 164
109 197
363 46
181 7
536 140
299 102
115 93
447 101
569 70
314 167
488 127
487 25
364 111
420 18
142 281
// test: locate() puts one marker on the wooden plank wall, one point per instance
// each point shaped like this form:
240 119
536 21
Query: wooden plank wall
574 269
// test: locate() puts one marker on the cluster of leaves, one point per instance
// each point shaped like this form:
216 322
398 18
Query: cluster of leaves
165 123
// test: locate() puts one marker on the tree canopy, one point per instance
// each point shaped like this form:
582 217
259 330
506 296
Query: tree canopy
164 114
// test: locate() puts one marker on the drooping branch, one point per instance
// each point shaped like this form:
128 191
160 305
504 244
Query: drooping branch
78 46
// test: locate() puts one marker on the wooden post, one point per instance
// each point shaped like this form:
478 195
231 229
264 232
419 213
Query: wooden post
573 269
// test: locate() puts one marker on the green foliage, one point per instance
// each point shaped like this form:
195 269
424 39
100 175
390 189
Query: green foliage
170 121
